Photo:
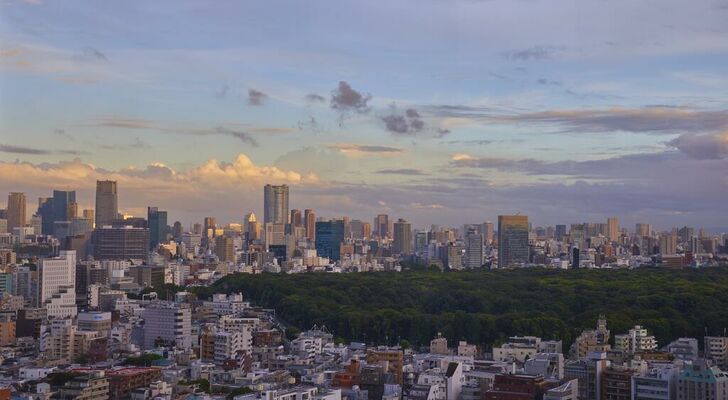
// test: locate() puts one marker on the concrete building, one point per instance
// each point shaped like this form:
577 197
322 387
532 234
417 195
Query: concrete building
167 323
659 383
589 373
636 340
685 349
107 203
93 386
120 243
567 391
402 243
473 250
392 358
275 204
512 240
16 211
593 340
698 381
716 350
438 345
56 285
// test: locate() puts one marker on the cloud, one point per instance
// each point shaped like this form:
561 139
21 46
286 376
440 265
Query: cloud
402 171
33 151
222 93
408 123
476 142
322 162
95 54
702 146
345 99
351 149
211 185
421 206
534 53
315 98
143 124
256 97
651 120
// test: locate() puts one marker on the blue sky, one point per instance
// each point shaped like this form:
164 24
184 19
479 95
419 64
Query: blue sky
436 111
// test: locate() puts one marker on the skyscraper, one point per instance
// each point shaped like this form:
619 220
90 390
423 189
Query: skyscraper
309 217
275 204
613 229
62 203
512 240
157 223
45 210
473 249
16 211
107 206
329 235
487 231
381 225
56 285
296 218
402 237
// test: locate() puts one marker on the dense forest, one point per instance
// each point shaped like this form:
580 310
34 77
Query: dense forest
484 307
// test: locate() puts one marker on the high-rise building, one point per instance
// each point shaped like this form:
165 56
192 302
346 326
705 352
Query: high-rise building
613 229
402 237
560 232
157 223
56 285
275 234
252 227
668 244
275 204
473 249
381 225
366 229
16 211
167 323
642 230
512 240
488 232
121 243
329 236
225 248
107 202
63 201
309 217
45 210
296 218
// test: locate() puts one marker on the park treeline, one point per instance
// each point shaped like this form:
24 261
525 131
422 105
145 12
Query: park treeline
485 307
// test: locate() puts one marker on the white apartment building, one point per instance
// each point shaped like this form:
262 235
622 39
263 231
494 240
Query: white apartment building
57 285
635 341
657 384
168 322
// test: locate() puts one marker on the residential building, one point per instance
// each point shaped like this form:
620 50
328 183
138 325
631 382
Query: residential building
167 323
699 381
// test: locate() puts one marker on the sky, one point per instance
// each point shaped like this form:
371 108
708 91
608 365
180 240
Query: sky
439 112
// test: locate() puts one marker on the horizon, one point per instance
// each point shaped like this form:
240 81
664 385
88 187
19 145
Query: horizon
439 113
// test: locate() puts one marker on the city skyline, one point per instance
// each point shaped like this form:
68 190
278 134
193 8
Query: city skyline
489 108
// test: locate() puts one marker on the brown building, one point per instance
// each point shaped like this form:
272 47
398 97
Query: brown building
123 381
225 249
7 330
391 359
617 383
518 387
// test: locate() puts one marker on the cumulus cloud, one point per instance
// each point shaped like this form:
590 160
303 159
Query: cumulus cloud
702 146
211 185
256 97
345 99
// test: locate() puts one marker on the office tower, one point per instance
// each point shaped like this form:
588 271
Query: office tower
560 232
45 210
167 323
252 227
296 218
642 230
121 243
309 218
381 225
80 226
3 225
512 240
402 238
613 229
89 214
208 230
157 223
62 200
275 234
107 206
488 232
177 230
275 204
668 244
357 229
15 213
366 229
36 222
225 249
575 257
72 210
329 236
56 285
473 249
